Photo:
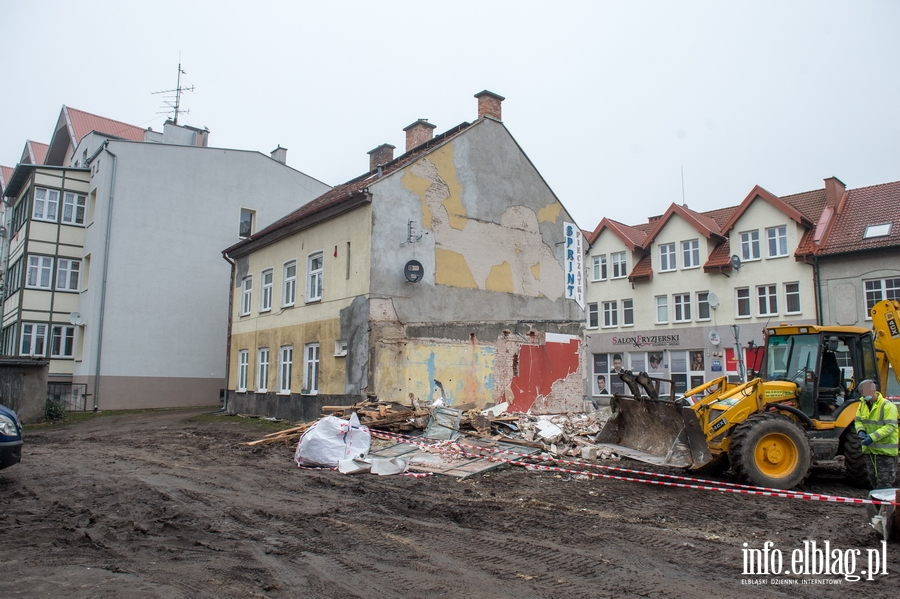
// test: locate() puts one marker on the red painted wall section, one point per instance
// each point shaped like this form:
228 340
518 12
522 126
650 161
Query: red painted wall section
539 367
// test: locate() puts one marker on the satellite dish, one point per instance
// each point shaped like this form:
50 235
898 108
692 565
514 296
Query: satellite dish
413 271
713 300
736 262
75 318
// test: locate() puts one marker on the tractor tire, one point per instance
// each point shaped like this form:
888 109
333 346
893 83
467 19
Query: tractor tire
855 461
770 450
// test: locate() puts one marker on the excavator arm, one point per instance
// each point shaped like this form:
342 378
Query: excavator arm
886 327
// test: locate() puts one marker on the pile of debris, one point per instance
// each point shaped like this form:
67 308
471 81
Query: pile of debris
569 435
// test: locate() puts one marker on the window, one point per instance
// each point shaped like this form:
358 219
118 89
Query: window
703 305
662 309
265 293
34 339
243 366
73 209
880 289
682 305
667 257
610 314
285 360
290 284
311 370
314 277
768 300
246 224
599 268
246 295
750 245
593 316
882 230
40 271
62 341
792 298
262 370
618 265
46 204
67 274
742 297
777 239
690 252
627 312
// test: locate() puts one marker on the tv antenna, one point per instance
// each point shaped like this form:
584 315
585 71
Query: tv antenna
176 107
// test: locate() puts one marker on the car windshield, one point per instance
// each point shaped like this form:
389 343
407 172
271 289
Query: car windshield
787 356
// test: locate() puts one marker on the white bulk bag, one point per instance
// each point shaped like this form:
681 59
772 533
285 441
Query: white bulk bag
331 440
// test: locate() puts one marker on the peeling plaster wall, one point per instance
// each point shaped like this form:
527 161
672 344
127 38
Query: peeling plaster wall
489 234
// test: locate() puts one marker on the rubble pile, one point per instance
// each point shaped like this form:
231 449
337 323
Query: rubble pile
564 435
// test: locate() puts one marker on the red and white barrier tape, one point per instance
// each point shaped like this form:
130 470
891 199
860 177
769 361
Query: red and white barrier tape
699 484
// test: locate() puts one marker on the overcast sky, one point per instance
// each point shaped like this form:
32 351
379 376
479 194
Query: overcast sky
612 101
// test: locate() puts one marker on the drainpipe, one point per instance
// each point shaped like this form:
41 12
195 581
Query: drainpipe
109 208
228 334
818 281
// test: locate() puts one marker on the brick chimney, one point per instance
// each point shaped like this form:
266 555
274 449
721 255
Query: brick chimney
381 155
834 191
489 104
280 154
418 133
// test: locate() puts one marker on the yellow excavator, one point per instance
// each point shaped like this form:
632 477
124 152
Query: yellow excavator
798 411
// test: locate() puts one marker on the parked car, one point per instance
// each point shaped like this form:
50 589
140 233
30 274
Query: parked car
10 438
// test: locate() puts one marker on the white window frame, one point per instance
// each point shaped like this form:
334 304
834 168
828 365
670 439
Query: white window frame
285 365
619 263
243 368
593 315
62 341
289 291
241 232
767 300
776 239
311 368
667 260
36 335
628 312
267 284
314 276
610 314
246 295
68 274
262 370
792 293
690 253
40 268
742 296
750 245
703 300
75 204
876 290
662 309
598 269
42 206
681 304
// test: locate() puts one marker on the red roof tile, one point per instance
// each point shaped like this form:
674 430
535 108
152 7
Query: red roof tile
34 152
5 173
81 123
878 204
719 258
642 271
633 237
705 225
758 192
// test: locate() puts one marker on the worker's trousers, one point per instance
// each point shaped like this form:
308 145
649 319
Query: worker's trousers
882 470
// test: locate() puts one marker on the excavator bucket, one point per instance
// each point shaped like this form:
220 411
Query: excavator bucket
656 432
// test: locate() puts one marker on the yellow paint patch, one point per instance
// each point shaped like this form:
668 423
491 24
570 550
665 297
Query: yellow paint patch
536 271
549 213
451 269
418 185
500 278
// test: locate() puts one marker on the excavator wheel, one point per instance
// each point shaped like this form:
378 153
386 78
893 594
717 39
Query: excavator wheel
855 461
770 450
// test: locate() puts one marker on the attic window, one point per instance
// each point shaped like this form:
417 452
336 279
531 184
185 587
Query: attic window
882 230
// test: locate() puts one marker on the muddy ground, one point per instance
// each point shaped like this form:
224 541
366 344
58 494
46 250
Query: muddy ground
166 505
